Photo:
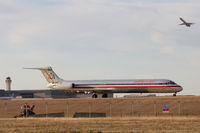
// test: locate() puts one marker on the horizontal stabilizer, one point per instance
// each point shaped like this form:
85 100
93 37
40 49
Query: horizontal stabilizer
39 68
48 73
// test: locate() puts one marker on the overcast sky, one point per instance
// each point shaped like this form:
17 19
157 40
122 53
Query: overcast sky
100 39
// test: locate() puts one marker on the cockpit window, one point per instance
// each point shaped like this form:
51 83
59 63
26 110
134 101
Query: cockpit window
171 82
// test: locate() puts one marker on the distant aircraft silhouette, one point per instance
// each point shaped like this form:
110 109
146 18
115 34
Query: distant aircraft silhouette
185 23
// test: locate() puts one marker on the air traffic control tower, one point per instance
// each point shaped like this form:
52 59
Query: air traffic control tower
8 84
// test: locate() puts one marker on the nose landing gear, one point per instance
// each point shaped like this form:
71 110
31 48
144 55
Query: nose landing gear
174 94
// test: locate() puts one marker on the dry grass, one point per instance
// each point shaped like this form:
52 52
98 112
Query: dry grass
120 107
189 105
89 125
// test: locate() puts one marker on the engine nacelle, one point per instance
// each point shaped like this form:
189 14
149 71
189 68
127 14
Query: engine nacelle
61 86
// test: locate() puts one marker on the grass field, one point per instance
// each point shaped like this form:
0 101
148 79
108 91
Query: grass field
115 107
101 125
122 115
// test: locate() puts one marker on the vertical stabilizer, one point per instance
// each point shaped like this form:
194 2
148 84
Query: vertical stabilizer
49 74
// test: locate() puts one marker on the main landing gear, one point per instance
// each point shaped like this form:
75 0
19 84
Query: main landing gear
103 96
94 96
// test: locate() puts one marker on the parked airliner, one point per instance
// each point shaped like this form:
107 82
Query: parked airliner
108 86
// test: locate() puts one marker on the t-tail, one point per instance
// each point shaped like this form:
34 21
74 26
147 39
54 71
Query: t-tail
49 74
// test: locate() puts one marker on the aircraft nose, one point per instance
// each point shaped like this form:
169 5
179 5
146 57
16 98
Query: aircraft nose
180 88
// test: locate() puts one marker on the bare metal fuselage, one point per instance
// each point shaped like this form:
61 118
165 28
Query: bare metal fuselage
118 86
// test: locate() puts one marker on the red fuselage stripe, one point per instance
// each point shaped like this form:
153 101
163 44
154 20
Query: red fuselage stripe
127 86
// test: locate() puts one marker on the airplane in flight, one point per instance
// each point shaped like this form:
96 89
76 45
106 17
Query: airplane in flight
105 87
185 23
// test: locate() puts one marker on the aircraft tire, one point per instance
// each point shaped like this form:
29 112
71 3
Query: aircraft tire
105 95
94 96
174 94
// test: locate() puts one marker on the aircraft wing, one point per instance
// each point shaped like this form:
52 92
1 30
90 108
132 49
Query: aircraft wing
191 23
183 20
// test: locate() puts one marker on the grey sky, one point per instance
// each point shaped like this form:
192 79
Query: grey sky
100 39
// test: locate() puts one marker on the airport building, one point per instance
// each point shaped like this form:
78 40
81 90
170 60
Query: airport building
36 94
56 94
9 93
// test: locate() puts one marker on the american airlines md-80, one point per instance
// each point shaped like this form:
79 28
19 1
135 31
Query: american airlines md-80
108 86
